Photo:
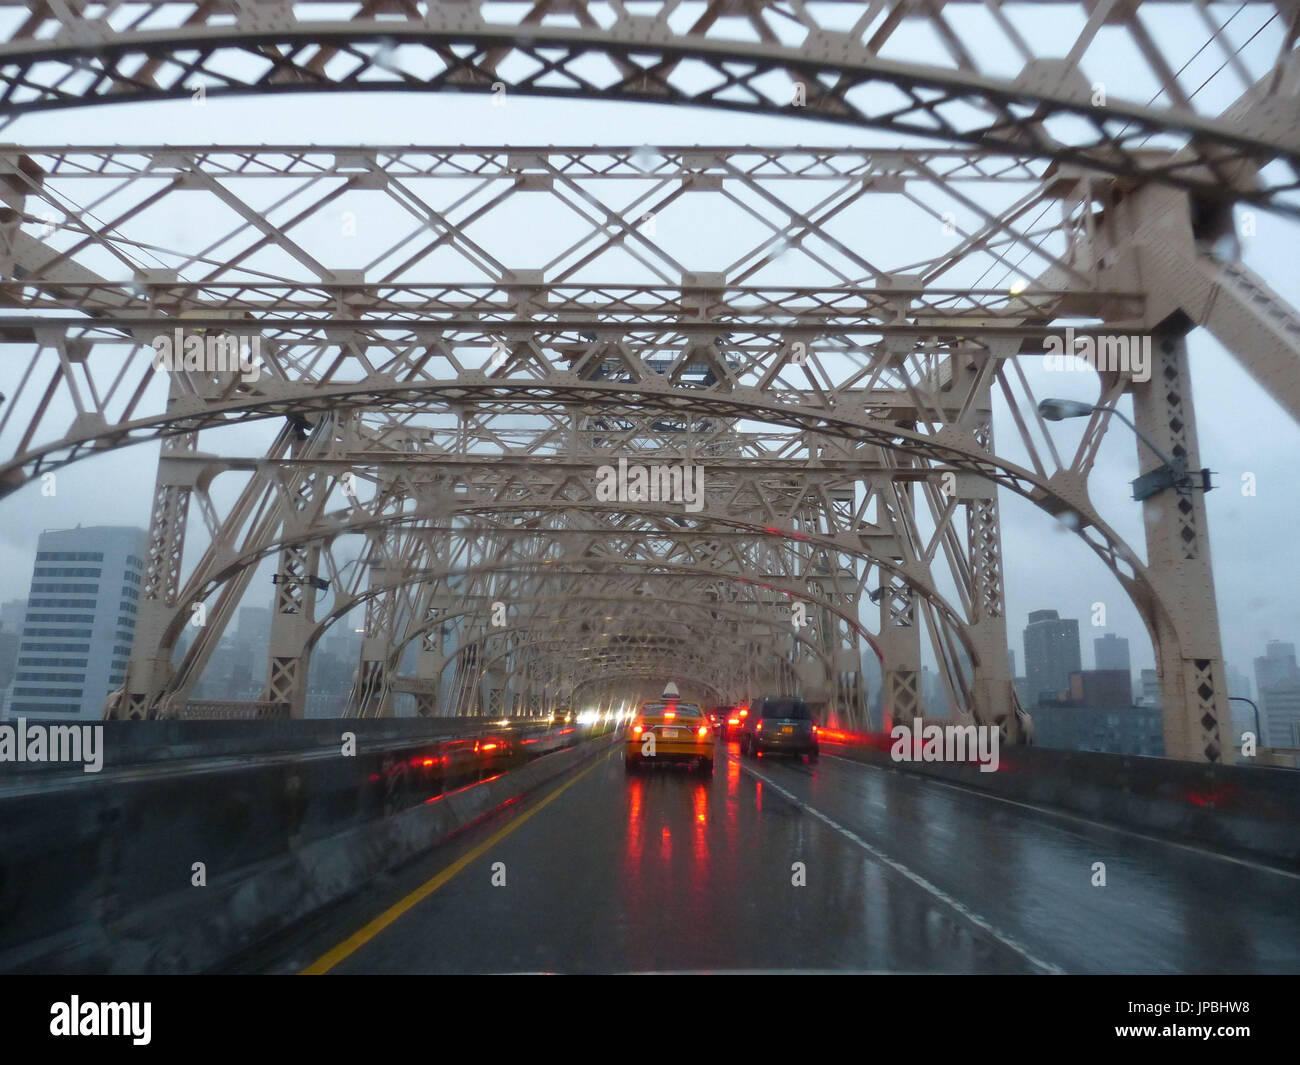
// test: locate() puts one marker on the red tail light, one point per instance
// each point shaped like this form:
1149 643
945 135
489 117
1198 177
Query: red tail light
669 715
758 727
638 728
733 721
744 713
702 731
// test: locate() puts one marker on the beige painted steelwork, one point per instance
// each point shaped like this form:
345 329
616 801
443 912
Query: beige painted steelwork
444 403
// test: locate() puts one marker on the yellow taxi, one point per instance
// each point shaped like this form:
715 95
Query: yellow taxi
669 730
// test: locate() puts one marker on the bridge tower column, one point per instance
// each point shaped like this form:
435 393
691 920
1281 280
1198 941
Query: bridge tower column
993 692
1189 655
371 694
149 671
296 584
429 664
900 644
492 691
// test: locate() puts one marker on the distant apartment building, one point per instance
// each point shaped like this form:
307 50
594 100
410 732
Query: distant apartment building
11 627
1243 717
1280 714
11 615
1051 655
1150 681
79 622
1111 652
8 664
1276 665
1101 689
1238 682
934 694
1278 682
254 626
1136 730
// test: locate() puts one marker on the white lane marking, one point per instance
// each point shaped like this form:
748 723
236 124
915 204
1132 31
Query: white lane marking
914 877
1047 810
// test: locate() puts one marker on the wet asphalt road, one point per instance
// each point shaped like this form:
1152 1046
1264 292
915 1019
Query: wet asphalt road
665 872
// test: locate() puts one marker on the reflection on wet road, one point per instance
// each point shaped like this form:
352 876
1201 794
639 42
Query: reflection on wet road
777 865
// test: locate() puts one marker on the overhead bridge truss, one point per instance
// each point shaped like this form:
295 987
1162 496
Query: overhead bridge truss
456 345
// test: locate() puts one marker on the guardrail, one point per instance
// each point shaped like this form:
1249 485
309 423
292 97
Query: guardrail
1251 811
174 864
135 743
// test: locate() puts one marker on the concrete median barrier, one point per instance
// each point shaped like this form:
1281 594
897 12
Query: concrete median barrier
99 874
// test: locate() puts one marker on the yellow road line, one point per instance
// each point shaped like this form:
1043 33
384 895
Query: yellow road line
360 938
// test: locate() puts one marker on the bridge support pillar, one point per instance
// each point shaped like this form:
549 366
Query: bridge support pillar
428 668
149 673
1189 656
900 644
371 695
289 658
993 692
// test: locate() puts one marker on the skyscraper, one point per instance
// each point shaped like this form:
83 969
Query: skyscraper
1278 682
1275 665
1238 682
11 614
1111 652
254 626
1051 653
1280 713
1151 688
80 621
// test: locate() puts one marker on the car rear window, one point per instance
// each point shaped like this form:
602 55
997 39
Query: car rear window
787 709
683 709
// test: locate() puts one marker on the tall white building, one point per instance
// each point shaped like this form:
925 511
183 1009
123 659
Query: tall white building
80 621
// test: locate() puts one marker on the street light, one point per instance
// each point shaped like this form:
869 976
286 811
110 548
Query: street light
1172 471
1243 699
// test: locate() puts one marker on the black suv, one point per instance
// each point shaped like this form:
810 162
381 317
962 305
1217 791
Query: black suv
779 725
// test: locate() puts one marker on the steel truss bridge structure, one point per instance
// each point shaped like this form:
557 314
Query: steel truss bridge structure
458 344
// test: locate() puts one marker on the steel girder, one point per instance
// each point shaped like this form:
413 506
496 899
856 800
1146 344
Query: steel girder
1020 91
762 521
548 363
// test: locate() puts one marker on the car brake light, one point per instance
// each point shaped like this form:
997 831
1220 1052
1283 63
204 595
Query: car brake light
669 715
702 731
758 727
733 721
638 728
744 713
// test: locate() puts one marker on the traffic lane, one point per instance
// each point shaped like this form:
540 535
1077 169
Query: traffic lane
663 871
1164 908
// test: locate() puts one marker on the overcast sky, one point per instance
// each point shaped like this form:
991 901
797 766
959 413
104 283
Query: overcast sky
1253 539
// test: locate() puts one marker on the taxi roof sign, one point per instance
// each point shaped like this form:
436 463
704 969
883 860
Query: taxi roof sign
670 691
